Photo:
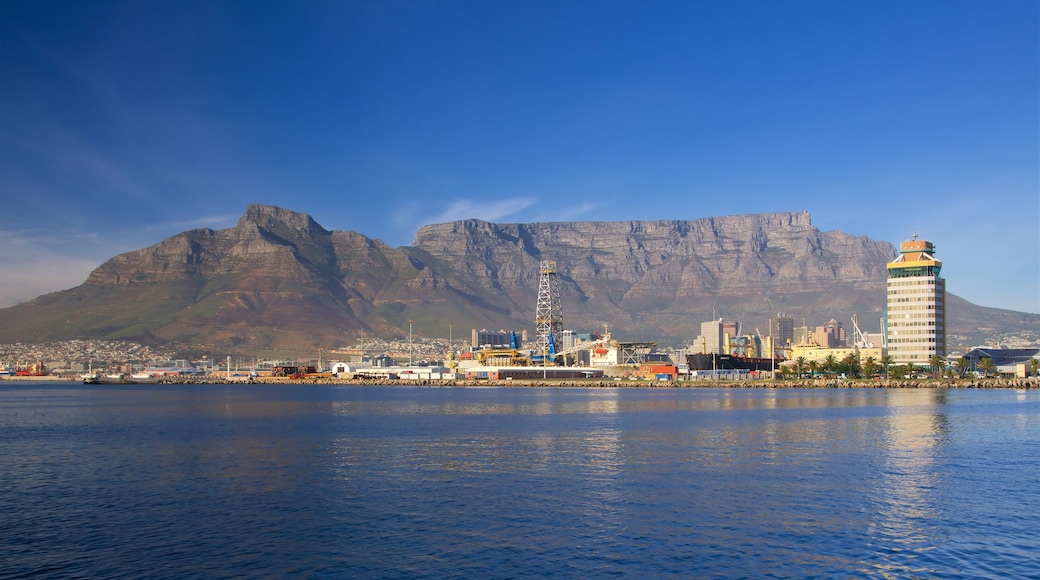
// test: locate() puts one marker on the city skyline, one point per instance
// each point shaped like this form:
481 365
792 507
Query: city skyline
123 123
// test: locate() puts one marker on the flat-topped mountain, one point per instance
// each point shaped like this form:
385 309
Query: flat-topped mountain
279 281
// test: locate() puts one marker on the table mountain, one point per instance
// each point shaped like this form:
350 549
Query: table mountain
279 281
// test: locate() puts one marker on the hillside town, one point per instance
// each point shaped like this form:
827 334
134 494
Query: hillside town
73 359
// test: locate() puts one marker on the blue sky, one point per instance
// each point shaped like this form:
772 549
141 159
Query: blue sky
123 123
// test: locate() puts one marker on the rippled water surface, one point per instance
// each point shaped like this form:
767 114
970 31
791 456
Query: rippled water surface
173 481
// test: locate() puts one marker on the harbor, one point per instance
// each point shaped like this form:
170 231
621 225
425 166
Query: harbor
312 480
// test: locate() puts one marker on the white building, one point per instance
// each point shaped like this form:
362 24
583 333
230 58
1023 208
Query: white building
916 305
712 338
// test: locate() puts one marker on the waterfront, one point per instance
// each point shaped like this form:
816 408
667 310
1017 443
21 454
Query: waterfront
366 481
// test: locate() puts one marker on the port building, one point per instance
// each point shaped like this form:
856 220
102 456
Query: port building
1006 361
916 304
484 338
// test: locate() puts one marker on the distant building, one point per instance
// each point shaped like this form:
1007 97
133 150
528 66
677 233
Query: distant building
916 304
1005 360
781 332
830 335
820 353
490 339
711 339
730 329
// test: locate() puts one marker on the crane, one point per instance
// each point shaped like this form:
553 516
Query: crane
858 338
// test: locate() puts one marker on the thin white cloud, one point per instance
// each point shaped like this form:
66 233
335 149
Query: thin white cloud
488 210
412 216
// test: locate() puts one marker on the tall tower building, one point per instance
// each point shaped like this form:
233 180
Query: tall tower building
712 338
916 304
781 332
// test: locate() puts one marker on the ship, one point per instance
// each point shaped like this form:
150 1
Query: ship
36 370
710 361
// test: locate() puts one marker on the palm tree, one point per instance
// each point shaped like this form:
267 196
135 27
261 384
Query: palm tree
900 371
961 365
813 367
936 362
851 365
870 366
887 361
799 365
987 366
830 364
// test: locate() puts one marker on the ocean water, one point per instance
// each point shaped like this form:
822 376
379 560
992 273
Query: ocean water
400 482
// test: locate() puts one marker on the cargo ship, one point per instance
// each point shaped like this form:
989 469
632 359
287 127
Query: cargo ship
36 370
709 361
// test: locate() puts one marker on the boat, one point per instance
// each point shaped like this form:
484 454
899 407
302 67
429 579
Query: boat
36 370
115 379
710 361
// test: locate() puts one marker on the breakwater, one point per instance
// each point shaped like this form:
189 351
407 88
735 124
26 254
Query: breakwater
993 383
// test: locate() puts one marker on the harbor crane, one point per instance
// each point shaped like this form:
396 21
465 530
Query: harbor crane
858 338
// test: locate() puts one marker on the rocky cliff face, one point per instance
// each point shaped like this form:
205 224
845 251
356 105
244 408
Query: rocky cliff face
646 273
737 255
279 280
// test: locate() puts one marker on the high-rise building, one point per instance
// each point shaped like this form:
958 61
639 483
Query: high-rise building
781 332
916 304
711 339
830 335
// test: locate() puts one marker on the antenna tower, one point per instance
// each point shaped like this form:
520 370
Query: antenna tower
548 316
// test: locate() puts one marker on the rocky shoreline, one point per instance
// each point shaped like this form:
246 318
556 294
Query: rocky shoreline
994 383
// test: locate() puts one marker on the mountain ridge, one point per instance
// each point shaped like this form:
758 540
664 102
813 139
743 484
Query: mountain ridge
278 280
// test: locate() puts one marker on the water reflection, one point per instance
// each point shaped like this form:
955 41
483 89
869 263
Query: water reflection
530 401
908 492
398 482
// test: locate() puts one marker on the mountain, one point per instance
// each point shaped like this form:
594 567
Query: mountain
278 281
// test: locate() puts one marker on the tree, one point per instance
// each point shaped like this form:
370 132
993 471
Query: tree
987 366
936 362
961 365
850 364
800 365
900 371
814 366
870 366
830 365
887 361
1034 366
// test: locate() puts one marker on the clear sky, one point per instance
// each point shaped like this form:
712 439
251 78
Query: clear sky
123 123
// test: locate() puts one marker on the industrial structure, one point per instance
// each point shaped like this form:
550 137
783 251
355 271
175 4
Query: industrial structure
548 317
916 326
553 346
